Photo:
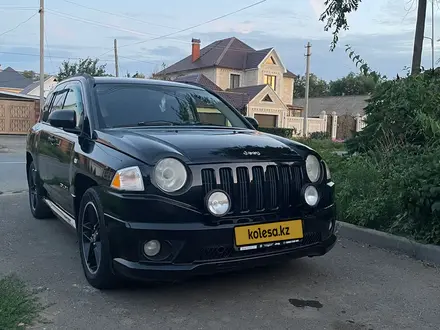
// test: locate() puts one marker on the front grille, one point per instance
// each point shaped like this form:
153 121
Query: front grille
220 252
256 188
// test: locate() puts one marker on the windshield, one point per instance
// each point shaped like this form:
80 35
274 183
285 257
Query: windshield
128 105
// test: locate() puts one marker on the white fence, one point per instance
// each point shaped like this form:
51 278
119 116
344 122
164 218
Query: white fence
321 124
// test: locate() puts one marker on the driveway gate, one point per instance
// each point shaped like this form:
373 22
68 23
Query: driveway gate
16 117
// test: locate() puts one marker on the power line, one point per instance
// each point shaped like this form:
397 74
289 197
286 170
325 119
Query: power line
20 24
119 15
74 58
48 50
61 14
191 27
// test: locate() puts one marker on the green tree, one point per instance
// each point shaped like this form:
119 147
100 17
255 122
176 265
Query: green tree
29 74
335 18
317 86
136 75
139 75
87 65
353 84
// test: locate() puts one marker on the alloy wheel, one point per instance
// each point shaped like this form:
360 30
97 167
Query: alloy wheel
90 238
33 194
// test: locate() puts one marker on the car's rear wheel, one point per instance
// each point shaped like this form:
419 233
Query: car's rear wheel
39 208
94 244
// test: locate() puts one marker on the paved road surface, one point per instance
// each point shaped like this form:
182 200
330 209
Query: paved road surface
12 164
359 288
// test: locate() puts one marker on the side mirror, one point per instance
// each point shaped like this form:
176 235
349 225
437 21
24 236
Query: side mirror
253 122
65 119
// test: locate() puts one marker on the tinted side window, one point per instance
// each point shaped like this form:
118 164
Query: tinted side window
46 107
73 101
59 100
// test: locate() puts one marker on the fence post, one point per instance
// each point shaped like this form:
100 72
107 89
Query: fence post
324 118
334 124
358 122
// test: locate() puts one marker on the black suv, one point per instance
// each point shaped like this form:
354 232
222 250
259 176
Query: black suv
165 180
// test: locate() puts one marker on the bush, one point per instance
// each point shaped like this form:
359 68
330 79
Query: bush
284 132
397 191
403 111
320 135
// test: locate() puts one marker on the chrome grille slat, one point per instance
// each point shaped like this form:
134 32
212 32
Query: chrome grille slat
255 187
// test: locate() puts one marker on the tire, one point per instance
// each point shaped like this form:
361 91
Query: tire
39 209
94 246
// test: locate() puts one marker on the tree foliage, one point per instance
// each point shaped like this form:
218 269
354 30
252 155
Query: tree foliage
29 74
136 75
352 84
335 16
88 65
317 86
402 111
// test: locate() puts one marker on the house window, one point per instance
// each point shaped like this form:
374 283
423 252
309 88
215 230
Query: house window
235 81
271 81
267 98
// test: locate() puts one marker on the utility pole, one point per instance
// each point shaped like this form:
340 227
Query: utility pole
116 58
432 34
41 11
306 107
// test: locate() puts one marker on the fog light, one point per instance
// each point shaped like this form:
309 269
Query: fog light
330 226
152 248
311 195
218 203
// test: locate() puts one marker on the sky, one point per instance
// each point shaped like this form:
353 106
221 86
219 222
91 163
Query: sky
381 31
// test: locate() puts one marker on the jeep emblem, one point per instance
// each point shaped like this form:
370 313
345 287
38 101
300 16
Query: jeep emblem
251 153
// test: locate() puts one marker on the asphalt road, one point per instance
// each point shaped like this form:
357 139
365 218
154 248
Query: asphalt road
354 287
12 164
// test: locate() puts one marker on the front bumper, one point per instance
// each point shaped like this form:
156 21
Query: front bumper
195 248
139 271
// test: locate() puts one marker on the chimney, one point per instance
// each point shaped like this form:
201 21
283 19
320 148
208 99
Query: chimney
195 49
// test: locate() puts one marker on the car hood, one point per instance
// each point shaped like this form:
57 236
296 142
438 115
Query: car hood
197 146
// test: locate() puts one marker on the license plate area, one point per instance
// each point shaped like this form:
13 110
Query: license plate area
250 237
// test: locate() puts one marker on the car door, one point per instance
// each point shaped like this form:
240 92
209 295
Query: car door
46 148
65 149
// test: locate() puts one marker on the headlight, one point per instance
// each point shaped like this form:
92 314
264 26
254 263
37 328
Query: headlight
313 168
327 171
218 203
170 175
311 196
129 178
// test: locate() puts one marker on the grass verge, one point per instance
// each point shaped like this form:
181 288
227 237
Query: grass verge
19 307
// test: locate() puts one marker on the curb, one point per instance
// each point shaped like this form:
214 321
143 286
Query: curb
419 251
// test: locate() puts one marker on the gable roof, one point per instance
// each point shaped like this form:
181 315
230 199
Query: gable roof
12 79
349 104
198 78
229 53
30 87
251 91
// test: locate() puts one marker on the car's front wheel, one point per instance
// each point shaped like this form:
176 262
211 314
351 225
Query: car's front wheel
39 209
93 242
